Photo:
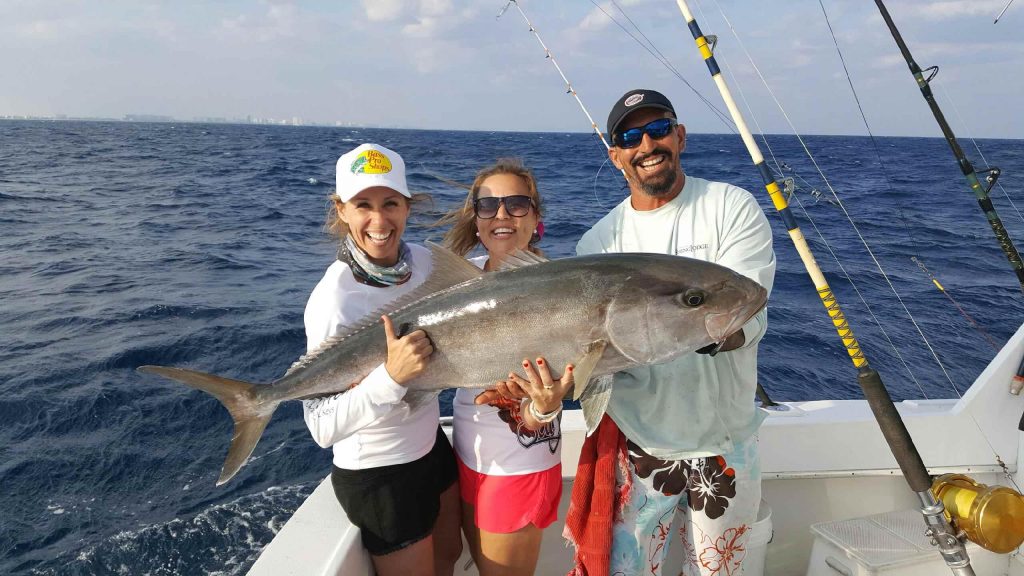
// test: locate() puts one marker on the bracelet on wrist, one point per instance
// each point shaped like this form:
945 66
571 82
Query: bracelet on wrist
544 418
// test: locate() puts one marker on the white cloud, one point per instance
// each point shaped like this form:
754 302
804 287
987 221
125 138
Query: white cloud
382 10
425 27
279 21
957 8
596 20
436 7
48 29
601 16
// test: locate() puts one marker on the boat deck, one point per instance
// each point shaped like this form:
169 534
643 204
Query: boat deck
822 461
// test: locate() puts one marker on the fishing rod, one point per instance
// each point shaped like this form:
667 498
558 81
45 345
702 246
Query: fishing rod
889 421
1001 12
550 56
990 174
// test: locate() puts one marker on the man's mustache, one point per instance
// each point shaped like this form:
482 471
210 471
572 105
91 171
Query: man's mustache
636 161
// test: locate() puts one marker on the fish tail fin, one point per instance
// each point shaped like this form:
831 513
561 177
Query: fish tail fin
250 414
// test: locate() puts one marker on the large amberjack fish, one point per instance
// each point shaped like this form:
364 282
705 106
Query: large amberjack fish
604 313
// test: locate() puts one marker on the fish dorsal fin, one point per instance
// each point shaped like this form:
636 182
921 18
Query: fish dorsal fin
447 269
520 259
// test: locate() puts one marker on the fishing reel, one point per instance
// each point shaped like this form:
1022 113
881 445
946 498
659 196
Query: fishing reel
990 516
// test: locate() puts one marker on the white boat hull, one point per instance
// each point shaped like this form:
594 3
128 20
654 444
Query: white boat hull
822 461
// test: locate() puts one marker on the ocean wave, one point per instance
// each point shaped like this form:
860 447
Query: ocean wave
158 250
224 540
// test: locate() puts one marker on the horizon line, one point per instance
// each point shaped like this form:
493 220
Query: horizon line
217 121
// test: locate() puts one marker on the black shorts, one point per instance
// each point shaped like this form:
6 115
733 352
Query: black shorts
397 506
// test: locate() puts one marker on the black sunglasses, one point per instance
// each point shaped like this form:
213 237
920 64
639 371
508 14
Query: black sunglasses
487 207
631 138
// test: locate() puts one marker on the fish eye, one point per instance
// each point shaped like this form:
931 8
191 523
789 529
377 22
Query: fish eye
693 298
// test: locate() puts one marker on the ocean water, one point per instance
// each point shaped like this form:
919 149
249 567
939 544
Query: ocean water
196 245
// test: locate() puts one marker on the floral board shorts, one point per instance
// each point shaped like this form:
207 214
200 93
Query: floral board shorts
714 501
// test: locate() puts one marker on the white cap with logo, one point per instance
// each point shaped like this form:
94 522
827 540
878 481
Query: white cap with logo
367 166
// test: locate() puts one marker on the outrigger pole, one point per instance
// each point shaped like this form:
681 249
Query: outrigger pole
990 174
889 420
1001 12
550 56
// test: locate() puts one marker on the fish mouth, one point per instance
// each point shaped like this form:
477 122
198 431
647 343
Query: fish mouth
721 325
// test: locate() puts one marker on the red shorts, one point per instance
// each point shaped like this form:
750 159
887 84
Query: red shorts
504 504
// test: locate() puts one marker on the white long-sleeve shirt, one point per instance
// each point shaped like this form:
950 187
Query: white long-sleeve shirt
696 405
369 425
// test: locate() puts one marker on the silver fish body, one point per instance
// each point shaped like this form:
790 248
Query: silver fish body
603 313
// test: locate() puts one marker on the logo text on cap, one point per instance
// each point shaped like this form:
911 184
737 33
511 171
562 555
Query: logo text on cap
371 162
634 100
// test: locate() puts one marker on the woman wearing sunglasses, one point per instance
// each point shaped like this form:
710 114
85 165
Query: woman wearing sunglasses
394 471
509 454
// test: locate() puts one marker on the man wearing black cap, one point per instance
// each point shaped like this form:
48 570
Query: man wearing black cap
689 425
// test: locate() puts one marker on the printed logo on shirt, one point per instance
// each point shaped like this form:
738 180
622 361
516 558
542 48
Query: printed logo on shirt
550 433
371 162
691 249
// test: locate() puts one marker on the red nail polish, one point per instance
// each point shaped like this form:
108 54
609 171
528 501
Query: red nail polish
540 362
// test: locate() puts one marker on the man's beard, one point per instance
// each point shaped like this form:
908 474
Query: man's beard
658 186
662 186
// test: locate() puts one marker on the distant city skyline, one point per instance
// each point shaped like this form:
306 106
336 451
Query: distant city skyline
450 64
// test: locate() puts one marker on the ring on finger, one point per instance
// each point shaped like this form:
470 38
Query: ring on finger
549 386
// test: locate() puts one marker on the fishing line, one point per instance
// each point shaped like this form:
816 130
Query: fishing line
979 189
665 62
1001 12
981 432
550 56
807 215
964 127
598 173
839 202
942 289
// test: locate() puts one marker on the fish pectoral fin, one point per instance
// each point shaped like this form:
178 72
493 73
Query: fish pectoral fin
585 367
595 402
417 398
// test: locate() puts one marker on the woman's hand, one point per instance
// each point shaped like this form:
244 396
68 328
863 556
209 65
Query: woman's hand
407 355
543 390
503 390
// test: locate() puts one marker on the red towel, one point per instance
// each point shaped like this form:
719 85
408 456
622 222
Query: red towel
595 504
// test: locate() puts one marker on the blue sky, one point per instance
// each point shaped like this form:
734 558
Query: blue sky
451 64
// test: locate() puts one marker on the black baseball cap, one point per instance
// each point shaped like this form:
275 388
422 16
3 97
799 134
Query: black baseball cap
635 100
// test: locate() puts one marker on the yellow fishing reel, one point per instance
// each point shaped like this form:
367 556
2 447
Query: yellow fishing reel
990 516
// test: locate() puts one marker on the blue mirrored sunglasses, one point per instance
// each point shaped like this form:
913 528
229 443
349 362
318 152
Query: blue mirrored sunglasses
631 138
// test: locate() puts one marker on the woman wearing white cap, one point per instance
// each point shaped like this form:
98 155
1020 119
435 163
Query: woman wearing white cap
394 471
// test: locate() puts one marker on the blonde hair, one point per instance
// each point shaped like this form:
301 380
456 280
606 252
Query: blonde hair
334 225
462 238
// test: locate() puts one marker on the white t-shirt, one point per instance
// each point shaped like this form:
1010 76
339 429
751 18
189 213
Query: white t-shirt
491 441
696 405
368 426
